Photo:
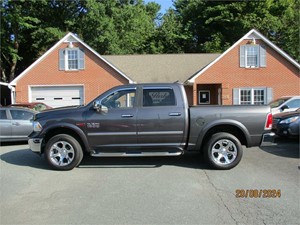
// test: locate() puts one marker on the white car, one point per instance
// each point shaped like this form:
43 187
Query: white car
285 104
15 124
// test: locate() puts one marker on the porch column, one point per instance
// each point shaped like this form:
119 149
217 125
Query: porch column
12 94
195 94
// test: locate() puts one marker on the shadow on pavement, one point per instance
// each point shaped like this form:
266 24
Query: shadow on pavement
284 147
24 157
188 161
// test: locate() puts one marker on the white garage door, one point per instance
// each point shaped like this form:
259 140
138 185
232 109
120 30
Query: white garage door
58 96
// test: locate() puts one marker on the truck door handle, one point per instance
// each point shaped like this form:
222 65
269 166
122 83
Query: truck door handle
175 114
127 116
16 124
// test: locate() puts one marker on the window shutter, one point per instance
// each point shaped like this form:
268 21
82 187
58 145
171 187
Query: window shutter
269 95
242 55
236 95
61 59
262 56
81 59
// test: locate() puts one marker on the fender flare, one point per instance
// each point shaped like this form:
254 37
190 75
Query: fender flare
71 127
223 122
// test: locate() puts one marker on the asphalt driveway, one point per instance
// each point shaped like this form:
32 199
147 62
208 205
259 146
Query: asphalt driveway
262 189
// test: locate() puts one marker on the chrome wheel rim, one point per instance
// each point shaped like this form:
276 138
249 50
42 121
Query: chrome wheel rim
224 152
62 153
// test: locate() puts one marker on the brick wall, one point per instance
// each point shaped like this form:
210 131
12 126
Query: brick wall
97 76
279 74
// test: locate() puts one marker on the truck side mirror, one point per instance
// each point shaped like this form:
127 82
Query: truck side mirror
284 107
99 108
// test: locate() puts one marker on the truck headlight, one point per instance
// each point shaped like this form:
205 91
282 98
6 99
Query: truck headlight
37 127
289 120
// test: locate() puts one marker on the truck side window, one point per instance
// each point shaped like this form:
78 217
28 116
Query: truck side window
120 99
158 97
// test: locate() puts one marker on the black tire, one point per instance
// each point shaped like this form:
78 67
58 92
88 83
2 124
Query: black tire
63 152
223 151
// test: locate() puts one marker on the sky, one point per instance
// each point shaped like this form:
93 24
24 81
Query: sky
165 4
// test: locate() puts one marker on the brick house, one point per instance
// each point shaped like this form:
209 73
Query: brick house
252 71
70 73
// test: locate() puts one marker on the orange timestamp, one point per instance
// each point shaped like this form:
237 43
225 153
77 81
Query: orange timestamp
258 193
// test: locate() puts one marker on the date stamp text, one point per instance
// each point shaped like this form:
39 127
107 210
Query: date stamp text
258 193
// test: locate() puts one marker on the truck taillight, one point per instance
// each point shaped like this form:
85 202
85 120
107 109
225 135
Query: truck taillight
269 122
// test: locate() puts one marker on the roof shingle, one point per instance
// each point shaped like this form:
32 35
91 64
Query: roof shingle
164 68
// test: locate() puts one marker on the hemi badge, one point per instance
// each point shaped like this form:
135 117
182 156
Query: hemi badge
80 124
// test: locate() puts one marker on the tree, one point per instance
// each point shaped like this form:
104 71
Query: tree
27 32
216 25
118 27
15 23
170 35
30 27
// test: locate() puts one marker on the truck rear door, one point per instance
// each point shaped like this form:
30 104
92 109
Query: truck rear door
160 119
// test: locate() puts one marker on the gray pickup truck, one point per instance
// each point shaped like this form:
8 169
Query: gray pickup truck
148 120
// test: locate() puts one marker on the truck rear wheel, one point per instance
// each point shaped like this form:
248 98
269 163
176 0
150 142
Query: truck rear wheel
223 151
63 152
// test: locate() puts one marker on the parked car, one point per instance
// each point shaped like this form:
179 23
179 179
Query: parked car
287 124
285 104
15 123
37 106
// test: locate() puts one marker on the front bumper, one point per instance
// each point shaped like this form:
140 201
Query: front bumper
268 139
35 144
287 130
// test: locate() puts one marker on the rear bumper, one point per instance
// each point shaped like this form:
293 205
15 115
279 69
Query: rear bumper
35 144
268 139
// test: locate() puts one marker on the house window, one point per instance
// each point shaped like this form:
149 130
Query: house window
252 56
71 59
252 96
245 97
259 96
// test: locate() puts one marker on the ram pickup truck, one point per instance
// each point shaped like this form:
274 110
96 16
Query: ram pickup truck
148 120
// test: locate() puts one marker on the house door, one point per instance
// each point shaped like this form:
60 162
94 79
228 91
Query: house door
209 94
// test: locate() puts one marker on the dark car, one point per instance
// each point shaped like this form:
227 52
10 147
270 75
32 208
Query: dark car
15 123
287 124
37 106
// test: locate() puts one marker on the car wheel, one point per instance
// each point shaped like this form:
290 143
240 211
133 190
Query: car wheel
63 152
223 151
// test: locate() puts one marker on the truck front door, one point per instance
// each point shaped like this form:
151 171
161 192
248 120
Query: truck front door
160 120
116 127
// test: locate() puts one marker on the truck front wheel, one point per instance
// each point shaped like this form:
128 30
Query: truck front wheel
63 152
223 151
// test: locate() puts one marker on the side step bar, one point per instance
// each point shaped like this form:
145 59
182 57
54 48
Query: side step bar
134 154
